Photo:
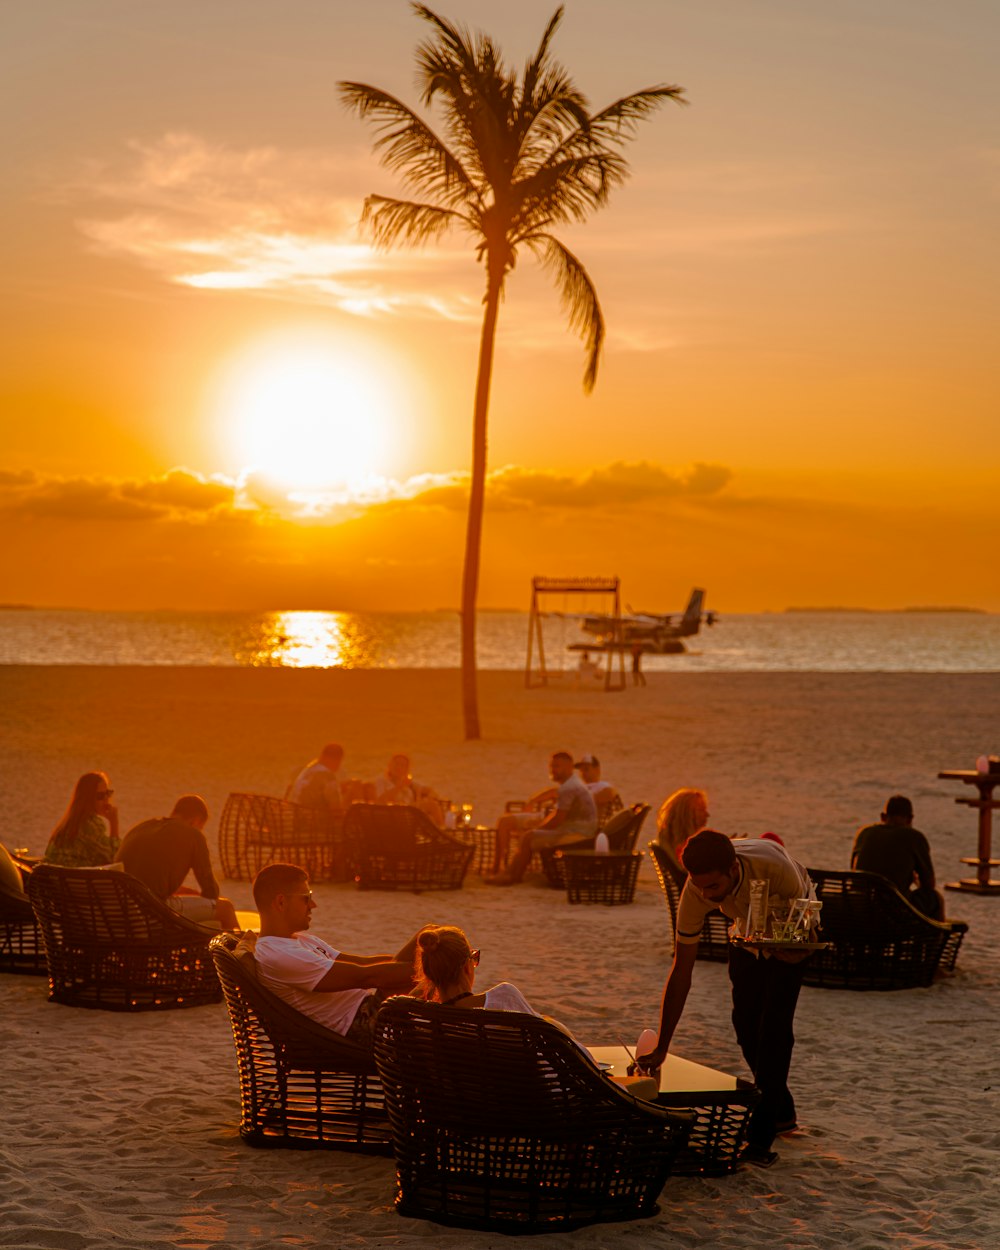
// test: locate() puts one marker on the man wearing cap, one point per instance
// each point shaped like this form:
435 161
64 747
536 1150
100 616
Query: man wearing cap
894 849
606 797
574 816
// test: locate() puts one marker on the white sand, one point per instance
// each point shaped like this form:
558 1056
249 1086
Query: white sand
120 1131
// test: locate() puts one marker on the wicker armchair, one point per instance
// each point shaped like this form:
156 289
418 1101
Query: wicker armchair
301 1085
880 941
501 1122
622 831
399 848
258 829
713 944
110 943
21 948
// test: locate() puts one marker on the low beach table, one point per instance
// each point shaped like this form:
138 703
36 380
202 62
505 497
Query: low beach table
982 882
723 1104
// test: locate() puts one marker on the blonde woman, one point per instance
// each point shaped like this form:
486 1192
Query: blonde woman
87 835
681 815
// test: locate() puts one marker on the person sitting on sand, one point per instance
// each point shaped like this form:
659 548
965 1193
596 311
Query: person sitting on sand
161 852
896 850
397 786
765 987
87 835
681 815
607 800
574 816
318 785
342 992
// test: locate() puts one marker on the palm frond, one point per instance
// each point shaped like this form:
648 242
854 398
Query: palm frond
619 120
405 221
579 298
405 143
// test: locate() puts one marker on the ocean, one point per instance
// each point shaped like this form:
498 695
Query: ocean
953 642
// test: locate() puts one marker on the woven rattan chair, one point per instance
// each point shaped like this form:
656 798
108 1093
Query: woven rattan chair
880 941
21 948
258 829
501 1122
622 832
713 944
399 848
110 943
301 1085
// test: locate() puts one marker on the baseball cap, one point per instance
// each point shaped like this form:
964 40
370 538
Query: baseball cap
587 759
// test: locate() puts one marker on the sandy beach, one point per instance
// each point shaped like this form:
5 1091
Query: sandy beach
121 1131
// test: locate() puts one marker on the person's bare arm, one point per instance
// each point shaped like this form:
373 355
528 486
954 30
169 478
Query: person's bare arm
365 960
543 797
387 975
675 994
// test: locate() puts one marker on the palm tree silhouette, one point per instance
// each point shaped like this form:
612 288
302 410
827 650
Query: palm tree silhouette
516 158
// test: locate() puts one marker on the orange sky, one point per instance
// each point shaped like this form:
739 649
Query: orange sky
797 402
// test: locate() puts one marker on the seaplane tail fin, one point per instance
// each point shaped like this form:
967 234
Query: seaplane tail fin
691 619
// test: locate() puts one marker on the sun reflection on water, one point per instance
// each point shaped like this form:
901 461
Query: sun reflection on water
309 640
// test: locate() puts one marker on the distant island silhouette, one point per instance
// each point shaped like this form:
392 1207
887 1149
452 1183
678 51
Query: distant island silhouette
891 611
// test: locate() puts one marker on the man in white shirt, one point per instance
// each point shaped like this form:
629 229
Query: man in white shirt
341 991
765 987
318 785
574 816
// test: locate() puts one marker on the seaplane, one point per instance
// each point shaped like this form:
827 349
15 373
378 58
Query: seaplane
656 634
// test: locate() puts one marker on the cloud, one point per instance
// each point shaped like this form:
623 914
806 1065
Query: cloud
213 218
178 492
616 485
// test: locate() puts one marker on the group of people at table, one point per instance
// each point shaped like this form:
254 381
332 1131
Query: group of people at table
344 991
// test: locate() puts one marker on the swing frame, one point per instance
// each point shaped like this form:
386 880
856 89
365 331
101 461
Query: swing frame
536 676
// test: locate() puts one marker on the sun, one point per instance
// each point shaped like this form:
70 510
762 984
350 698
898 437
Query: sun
307 414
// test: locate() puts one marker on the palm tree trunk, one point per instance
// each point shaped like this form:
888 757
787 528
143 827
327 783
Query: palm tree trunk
477 495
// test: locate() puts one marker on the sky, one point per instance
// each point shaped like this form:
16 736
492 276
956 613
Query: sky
214 393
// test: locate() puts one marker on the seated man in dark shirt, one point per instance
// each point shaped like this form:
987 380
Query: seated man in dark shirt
161 853
896 850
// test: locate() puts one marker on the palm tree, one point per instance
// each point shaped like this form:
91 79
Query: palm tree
516 158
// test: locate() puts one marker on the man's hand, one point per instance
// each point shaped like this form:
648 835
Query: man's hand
651 1061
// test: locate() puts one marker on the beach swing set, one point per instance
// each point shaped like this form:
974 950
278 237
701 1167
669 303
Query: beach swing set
601 596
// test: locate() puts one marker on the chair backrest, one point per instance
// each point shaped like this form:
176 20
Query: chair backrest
623 828
606 812
90 905
880 941
500 1121
713 944
391 830
256 1010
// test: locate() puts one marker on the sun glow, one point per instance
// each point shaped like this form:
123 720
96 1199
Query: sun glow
308 414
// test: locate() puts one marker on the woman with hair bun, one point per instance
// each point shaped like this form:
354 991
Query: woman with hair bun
446 973
87 835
